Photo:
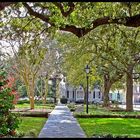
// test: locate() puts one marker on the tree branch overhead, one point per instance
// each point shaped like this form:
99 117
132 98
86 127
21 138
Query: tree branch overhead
132 21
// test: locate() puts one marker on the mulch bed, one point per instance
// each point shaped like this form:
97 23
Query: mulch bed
32 112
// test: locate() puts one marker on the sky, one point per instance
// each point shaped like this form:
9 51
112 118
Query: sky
7 49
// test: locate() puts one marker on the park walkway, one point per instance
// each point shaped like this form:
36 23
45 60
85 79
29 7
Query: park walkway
61 124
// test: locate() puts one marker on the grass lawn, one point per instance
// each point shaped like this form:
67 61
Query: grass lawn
114 126
98 110
31 126
37 106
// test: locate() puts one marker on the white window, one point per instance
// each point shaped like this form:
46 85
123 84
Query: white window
79 94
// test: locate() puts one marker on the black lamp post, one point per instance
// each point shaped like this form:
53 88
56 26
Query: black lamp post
87 68
118 96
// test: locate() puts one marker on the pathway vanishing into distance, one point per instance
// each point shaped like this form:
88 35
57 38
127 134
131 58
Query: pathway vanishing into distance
61 124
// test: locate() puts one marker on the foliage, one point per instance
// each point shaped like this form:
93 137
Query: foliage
109 50
25 21
63 100
78 18
40 86
99 110
8 98
71 106
20 87
75 58
28 63
22 91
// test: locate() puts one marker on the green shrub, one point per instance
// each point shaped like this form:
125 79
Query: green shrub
8 98
115 103
71 107
63 100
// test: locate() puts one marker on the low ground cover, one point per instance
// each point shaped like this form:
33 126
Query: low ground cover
97 110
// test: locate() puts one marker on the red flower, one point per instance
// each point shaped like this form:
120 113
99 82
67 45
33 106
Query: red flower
16 96
10 82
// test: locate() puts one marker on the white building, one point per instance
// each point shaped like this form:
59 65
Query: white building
76 94
136 93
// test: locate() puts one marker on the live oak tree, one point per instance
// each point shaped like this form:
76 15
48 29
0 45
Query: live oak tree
102 58
130 58
112 54
75 60
122 53
80 18
82 52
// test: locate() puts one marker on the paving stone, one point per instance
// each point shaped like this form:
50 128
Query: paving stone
61 124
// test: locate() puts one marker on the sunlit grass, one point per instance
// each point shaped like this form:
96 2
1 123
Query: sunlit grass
114 126
37 106
31 125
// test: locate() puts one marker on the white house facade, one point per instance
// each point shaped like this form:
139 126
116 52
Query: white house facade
76 94
136 93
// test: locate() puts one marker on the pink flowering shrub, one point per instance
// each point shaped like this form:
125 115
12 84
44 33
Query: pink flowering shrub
8 98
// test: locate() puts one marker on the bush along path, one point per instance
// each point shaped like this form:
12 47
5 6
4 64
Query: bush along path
8 98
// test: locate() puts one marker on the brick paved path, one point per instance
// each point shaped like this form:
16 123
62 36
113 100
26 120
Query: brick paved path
61 124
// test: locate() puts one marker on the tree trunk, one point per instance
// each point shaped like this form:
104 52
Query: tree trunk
31 102
32 86
129 92
30 96
46 91
107 86
44 99
43 90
